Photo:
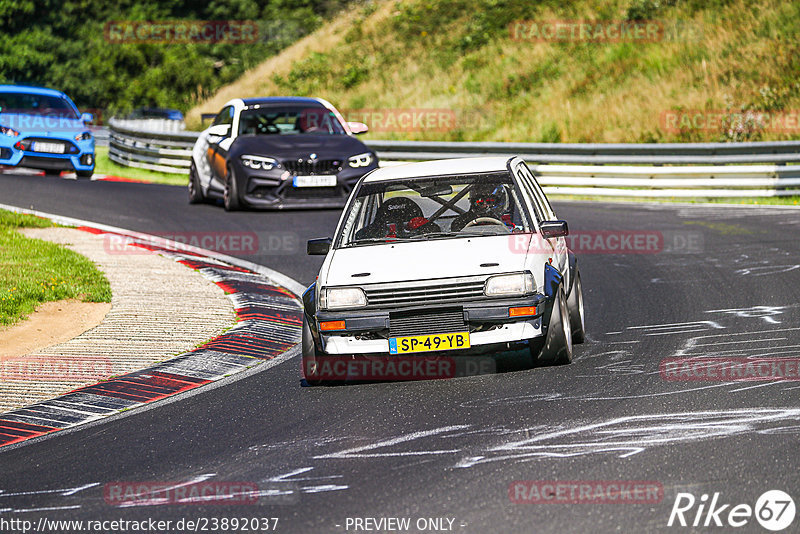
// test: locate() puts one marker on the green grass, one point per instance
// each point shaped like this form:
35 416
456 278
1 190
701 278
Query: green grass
105 166
33 271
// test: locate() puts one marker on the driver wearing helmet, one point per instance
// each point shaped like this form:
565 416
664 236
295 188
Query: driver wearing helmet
485 200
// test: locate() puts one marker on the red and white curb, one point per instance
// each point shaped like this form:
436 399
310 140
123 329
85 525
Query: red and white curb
270 321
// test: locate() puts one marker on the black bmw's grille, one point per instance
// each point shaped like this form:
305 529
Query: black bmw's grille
421 322
424 292
311 167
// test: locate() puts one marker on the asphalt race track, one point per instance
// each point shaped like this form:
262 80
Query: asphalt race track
722 282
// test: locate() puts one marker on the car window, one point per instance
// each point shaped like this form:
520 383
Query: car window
33 104
225 116
440 207
530 193
289 120
541 197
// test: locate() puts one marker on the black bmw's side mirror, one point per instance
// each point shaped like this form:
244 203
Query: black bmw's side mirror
318 247
551 229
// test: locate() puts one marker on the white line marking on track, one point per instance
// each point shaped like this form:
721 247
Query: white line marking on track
355 452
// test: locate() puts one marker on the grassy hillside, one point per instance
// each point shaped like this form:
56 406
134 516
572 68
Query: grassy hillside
714 56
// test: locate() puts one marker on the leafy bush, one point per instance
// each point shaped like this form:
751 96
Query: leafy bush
59 46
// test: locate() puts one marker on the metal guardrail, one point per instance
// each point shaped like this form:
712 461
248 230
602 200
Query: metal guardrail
697 169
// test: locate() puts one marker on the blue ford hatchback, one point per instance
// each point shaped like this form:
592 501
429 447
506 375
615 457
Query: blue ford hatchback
42 129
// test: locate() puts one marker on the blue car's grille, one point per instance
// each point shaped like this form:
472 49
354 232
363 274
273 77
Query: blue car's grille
28 145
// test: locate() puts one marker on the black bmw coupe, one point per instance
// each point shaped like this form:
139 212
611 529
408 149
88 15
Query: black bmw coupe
279 152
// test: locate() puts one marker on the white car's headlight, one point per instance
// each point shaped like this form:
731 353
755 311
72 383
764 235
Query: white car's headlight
509 285
259 162
340 298
360 160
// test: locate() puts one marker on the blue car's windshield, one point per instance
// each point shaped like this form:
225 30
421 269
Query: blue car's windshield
288 120
33 104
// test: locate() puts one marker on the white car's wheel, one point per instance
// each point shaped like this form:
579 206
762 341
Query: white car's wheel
575 307
557 349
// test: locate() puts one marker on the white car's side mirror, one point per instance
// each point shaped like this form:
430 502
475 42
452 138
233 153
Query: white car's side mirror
221 130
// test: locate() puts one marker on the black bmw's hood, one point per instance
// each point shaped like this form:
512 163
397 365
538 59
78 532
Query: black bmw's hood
298 146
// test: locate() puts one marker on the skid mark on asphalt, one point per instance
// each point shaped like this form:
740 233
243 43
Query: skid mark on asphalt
286 487
627 436
270 320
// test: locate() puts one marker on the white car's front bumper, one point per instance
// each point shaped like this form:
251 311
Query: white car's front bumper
507 333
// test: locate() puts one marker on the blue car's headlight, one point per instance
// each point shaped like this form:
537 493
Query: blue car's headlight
259 162
360 160
11 132
83 136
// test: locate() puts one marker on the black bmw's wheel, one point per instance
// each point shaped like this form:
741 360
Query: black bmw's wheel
575 307
195 192
557 349
230 197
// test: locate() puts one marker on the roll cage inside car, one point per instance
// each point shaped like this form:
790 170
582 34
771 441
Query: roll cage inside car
426 186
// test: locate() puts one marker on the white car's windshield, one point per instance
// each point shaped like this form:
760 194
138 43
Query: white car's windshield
289 120
434 208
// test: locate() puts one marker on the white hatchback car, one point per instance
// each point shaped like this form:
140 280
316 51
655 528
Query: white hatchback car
451 258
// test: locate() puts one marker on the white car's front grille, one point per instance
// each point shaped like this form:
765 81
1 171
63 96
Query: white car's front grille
424 292
421 322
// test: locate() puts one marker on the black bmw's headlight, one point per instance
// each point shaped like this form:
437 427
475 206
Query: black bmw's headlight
360 160
259 162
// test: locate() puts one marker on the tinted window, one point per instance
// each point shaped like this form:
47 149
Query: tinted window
289 120
31 104
225 116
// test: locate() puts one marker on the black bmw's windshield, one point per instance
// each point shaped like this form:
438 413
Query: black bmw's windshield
434 208
289 120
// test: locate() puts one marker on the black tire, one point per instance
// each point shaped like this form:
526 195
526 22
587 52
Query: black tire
52 172
230 197
84 174
575 307
557 349
195 191
309 355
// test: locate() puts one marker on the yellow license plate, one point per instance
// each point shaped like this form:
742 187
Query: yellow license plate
449 341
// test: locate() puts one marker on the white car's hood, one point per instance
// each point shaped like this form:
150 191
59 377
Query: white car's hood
437 258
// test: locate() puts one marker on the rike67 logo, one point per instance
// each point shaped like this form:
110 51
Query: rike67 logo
774 510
